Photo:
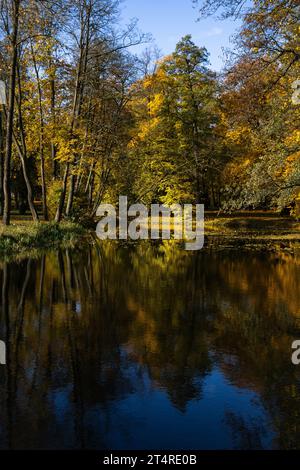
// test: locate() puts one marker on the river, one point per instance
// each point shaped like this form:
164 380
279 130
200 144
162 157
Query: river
148 346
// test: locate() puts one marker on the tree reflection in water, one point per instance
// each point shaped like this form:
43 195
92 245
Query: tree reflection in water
111 344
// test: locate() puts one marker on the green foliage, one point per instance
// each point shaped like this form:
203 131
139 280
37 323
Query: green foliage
25 237
261 121
54 192
175 140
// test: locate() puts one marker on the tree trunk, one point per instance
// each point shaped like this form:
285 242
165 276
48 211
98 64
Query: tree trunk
23 153
71 195
53 146
33 211
62 198
10 114
89 178
1 160
42 158
44 189
81 77
91 190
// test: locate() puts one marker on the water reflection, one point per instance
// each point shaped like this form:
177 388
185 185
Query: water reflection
149 346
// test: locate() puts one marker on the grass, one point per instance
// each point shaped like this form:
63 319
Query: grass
26 237
262 226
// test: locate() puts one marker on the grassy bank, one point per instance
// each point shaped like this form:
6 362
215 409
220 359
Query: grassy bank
27 237
255 231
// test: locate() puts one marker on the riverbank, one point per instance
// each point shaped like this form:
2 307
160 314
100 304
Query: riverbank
247 222
256 231
22 237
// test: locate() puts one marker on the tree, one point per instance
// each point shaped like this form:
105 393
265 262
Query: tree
177 113
261 119
11 26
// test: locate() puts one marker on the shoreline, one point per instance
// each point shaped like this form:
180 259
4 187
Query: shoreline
260 233
23 239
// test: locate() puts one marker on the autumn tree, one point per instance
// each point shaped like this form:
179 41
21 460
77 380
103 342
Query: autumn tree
177 113
261 118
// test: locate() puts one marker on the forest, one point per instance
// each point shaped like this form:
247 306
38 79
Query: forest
125 343
84 119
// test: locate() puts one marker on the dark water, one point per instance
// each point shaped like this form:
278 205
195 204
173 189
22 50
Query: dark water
148 346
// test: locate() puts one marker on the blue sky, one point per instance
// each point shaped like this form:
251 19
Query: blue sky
169 20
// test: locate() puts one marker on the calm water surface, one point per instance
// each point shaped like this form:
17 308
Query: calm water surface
150 347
